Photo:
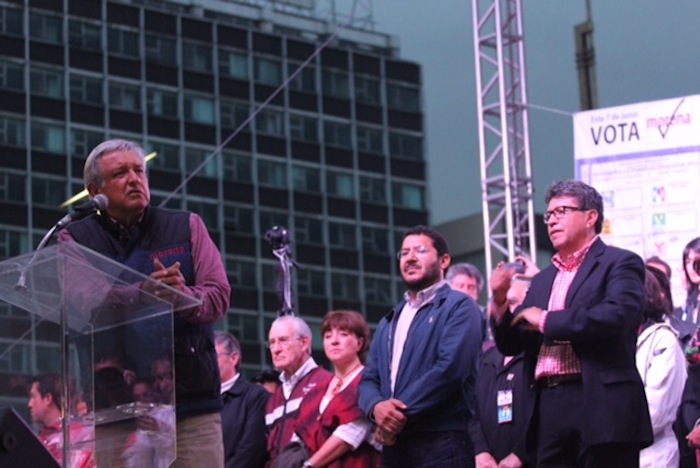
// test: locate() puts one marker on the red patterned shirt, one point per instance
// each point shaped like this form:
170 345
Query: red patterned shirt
559 358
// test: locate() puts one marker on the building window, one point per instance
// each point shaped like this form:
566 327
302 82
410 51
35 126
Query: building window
46 28
199 110
123 42
372 190
336 84
345 286
237 167
233 64
11 21
375 240
83 141
161 50
369 139
311 283
306 179
13 243
337 134
124 96
12 187
408 146
207 211
270 275
12 132
342 235
241 273
167 156
47 192
86 89
268 71
408 196
161 103
340 184
378 291
84 35
233 114
303 128
195 157
305 80
11 75
238 219
196 57
46 82
272 173
403 97
308 230
367 90
50 138
270 122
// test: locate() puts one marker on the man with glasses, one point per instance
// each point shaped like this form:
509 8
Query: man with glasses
418 384
290 348
578 329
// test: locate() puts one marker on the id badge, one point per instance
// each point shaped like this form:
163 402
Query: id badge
505 406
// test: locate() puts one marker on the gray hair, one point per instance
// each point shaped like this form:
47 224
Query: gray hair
587 196
228 341
91 171
465 269
301 328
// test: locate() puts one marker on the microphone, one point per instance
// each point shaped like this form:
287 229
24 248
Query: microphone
100 202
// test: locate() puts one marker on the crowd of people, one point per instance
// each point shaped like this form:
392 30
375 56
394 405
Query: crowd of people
586 363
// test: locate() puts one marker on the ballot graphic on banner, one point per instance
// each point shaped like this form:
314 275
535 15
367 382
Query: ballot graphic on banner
644 159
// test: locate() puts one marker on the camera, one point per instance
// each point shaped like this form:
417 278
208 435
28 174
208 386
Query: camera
278 237
518 266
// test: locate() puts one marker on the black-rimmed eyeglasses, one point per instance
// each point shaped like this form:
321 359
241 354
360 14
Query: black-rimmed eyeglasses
560 212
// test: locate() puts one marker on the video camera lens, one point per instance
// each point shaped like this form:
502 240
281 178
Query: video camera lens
278 237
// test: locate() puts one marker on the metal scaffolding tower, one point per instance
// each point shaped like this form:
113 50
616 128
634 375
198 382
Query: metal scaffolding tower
504 145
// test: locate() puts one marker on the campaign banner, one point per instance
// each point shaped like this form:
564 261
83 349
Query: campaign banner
645 160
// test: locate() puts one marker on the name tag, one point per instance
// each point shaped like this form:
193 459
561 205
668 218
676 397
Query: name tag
504 401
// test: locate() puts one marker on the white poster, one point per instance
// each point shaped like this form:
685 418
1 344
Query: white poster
645 160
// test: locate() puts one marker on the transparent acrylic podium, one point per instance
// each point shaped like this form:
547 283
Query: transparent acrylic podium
105 330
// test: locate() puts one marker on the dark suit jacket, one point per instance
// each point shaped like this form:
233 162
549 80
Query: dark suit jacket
487 434
601 317
243 425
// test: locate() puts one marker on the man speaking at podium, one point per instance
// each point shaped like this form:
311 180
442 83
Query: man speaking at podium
173 247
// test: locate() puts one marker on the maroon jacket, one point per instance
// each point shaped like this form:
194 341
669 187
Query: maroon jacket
281 413
315 429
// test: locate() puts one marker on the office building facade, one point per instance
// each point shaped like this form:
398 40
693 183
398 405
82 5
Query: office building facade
336 156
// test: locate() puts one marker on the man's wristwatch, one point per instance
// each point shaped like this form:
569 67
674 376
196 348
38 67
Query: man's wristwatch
307 464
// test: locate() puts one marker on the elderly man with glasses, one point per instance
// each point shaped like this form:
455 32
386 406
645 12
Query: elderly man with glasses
290 348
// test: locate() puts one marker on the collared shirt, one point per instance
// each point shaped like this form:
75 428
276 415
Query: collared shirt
404 321
226 386
560 358
289 383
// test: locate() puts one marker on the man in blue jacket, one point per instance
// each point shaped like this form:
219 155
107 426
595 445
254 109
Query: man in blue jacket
418 384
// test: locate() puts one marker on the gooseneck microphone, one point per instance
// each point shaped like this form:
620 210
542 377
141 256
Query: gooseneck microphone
99 202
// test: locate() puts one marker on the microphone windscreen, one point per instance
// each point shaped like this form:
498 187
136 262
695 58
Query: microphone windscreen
101 201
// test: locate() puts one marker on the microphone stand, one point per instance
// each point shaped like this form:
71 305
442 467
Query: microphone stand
22 281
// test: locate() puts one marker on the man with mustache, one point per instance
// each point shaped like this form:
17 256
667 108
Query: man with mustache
173 247
578 329
418 384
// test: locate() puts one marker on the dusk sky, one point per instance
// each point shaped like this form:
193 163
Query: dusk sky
646 50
